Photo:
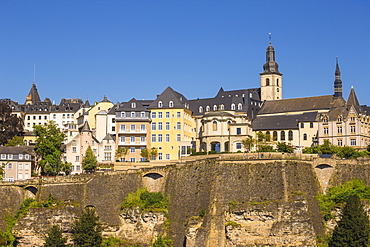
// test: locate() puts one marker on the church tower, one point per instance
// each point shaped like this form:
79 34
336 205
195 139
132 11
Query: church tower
271 79
337 82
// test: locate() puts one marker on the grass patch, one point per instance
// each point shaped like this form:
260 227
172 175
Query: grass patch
146 201
233 224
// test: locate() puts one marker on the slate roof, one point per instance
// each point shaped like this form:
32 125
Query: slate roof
297 104
85 127
16 150
141 105
179 100
67 105
280 122
33 95
352 98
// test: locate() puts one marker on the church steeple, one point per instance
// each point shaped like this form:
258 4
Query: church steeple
33 96
338 81
271 78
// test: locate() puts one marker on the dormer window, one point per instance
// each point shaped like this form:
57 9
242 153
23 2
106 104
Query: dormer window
233 106
122 114
170 104
222 107
133 105
160 104
207 108
240 106
215 107
200 109
133 114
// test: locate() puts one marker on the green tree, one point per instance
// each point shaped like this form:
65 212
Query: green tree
89 161
248 143
145 153
284 148
86 230
49 147
353 228
10 124
121 152
153 153
54 238
15 141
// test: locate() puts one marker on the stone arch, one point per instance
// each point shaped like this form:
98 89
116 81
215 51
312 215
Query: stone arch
154 181
90 206
323 166
32 189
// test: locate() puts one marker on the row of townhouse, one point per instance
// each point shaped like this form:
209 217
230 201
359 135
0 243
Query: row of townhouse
174 125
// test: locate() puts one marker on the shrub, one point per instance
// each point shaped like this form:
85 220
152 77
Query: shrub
147 201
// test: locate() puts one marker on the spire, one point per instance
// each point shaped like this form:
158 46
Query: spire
352 98
85 127
270 67
33 96
338 81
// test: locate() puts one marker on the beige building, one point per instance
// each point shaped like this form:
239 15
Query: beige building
17 163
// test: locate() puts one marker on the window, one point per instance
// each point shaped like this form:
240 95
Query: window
142 139
340 142
123 139
132 150
122 114
233 106
159 114
46 117
20 166
170 104
154 126
353 142
26 166
302 125
123 127
215 107
267 82
77 158
238 145
282 135
133 127
132 114
107 147
178 126
20 156
290 135
214 125
311 125
10 166
238 131
167 137
160 138
108 156
167 114
3 156
133 105
339 129
132 159
10 156
160 104
167 126
240 106
222 107
305 137
142 159
274 136
74 149
326 130
200 109
142 114
27 156
132 139
353 128
159 126
154 138
207 108
154 114
178 137
167 156
277 82
142 127
178 114
160 156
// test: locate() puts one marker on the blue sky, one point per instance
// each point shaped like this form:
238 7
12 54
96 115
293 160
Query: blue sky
125 49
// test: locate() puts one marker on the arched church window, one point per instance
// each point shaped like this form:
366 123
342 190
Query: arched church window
277 82
274 136
214 125
305 137
290 135
267 82
282 135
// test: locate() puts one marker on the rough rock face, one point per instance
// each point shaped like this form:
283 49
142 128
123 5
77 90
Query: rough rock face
141 227
276 225
31 229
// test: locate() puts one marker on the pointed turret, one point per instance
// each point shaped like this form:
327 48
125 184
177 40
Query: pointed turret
337 82
33 96
352 98
85 127
271 78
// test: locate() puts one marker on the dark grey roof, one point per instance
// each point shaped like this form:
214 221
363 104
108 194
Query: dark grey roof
33 95
85 127
105 99
168 95
297 104
140 105
86 104
16 150
67 105
278 122
352 98
38 107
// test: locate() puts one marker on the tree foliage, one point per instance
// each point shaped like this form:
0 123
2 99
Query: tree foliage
49 147
284 148
54 238
353 228
86 230
15 141
89 162
121 152
147 201
329 148
10 124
